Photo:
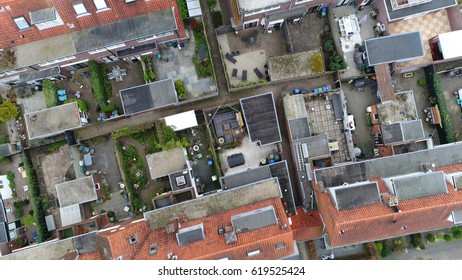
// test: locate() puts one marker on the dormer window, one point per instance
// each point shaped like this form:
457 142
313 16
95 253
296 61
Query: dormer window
152 249
80 9
45 18
132 240
100 5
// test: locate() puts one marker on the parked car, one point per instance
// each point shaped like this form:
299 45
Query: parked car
87 150
454 73
359 83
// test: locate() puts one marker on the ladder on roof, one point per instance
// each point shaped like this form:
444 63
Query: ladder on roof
301 165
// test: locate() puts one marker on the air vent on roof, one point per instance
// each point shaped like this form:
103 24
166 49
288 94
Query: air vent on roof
390 200
230 237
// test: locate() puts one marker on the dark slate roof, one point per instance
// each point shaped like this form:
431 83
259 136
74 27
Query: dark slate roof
420 185
38 75
280 170
261 118
392 133
190 234
136 49
5 149
2 212
255 219
149 96
286 14
394 48
299 128
245 178
179 180
124 30
355 195
337 104
3 233
85 243
43 15
235 160
418 9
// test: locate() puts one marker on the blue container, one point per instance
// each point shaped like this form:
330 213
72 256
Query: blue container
210 162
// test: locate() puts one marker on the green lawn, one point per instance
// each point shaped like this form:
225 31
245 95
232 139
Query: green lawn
69 232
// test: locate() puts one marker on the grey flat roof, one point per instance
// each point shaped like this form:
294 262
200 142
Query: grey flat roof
394 48
245 177
161 164
299 128
180 180
284 14
77 191
70 215
402 131
255 219
261 119
124 30
355 195
418 9
457 215
215 203
294 106
317 146
51 250
420 185
277 170
52 121
50 221
413 130
441 155
148 97
190 234
38 75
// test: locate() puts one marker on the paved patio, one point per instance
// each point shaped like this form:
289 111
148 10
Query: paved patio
366 32
429 26
253 154
251 55
180 66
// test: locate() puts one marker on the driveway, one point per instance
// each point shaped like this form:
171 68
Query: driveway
104 159
357 101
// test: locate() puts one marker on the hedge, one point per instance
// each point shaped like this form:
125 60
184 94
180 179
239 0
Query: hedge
82 104
431 238
181 90
109 108
35 195
98 84
448 237
49 92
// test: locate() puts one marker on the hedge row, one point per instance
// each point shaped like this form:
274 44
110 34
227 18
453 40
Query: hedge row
49 92
101 88
35 195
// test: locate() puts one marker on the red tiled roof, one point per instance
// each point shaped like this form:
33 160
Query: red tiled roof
214 246
118 236
10 35
377 221
92 256
306 225
387 91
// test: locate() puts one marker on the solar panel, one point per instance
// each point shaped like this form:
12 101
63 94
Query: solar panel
355 195
253 220
190 234
419 185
